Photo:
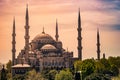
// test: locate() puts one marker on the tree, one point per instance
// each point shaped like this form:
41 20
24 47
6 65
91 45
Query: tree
115 61
9 66
87 67
33 75
9 76
77 65
106 63
45 73
114 70
116 78
64 75
52 74
97 76
99 67
19 77
3 74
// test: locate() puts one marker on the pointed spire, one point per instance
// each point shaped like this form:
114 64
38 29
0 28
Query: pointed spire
43 30
13 43
79 37
56 36
98 45
79 19
27 37
27 15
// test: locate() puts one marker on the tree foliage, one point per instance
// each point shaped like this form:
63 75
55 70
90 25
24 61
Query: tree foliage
114 69
99 67
77 65
115 61
64 75
9 66
104 66
97 76
19 77
3 74
33 75
52 74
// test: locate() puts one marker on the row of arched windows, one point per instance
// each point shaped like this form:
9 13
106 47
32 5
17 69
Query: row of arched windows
53 63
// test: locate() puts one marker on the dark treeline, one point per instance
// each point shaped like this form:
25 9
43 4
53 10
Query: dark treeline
88 69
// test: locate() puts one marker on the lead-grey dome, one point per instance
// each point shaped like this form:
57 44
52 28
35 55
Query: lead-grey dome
43 37
48 47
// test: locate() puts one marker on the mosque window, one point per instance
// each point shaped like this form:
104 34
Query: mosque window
59 63
53 62
62 63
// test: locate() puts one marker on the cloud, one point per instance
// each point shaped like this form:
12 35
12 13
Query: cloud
115 4
111 27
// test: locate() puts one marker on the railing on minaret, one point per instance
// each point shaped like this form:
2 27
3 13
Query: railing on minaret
79 37
56 36
27 33
13 43
98 45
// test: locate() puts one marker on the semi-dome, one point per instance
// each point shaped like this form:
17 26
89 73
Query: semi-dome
48 47
43 37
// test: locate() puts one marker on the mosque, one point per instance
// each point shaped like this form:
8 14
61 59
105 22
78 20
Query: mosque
44 52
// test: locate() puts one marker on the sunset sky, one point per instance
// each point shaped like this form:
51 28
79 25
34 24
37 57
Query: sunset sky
102 14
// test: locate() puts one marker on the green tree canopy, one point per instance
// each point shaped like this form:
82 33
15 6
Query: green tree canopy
99 67
33 75
64 75
114 69
115 61
87 67
97 76
9 66
77 65
52 74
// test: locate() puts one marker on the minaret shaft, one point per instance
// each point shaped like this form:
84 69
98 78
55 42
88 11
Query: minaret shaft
27 37
98 45
79 38
27 30
13 43
57 35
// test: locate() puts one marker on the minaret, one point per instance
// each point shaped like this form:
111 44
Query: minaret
56 36
43 31
98 45
79 37
27 33
103 55
13 43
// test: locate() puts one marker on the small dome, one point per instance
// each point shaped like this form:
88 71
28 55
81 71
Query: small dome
48 47
21 65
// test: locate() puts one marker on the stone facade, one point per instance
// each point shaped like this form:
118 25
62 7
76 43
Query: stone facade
45 52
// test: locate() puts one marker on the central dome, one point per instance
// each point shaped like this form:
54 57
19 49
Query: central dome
43 37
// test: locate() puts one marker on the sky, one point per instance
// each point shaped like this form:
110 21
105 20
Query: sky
102 14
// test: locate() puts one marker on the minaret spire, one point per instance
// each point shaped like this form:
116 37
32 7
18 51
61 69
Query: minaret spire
27 32
13 43
79 37
43 30
56 36
98 45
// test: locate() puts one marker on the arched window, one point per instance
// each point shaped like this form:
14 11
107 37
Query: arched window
52 62
59 63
